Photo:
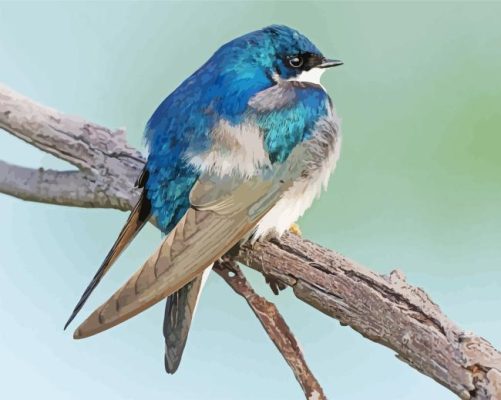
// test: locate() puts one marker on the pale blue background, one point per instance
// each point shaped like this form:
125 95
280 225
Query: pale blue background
418 187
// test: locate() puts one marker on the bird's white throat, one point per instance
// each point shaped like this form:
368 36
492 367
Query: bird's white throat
311 76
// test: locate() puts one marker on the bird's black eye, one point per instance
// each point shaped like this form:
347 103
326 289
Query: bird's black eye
296 61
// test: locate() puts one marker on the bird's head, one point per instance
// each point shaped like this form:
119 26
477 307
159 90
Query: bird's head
274 53
252 63
295 56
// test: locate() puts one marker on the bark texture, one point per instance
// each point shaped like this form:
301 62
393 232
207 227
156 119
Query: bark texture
384 309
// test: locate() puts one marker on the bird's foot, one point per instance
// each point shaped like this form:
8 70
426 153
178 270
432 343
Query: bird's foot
275 285
294 229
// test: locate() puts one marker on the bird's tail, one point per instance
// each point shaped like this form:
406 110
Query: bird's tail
180 309
137 219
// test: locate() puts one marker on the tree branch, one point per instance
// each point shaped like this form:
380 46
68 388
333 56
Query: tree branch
385 309
276 327
83 144
68 188
92 148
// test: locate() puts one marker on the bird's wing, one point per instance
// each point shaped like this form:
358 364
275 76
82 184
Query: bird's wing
137 219
222 212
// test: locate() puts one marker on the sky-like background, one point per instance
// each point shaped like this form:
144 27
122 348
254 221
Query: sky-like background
418 187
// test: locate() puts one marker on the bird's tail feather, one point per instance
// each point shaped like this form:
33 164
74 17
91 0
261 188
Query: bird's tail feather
137 219
180 309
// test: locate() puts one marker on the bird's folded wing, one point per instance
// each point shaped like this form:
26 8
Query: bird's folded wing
222 212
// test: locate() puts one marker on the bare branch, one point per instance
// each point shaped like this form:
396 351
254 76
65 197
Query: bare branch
83 144
111 166
275 326
68 188
46 186
384 309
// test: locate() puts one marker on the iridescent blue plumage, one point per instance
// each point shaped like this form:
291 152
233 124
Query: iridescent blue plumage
285 127
221 89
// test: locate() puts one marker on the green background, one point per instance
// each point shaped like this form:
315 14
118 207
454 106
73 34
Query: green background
417 187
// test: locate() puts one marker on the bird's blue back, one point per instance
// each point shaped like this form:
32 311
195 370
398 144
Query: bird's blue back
221 89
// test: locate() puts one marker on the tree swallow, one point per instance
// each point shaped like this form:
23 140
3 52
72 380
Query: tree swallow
237 152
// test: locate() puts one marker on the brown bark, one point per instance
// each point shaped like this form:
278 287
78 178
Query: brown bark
274 325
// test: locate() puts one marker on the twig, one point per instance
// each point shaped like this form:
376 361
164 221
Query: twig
385 309
68 188
276 327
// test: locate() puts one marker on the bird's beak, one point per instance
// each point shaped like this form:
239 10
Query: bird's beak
326 63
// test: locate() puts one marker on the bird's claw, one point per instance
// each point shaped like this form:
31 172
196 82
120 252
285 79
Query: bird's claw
294 229
275 285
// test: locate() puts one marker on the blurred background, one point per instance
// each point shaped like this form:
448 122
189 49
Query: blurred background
418 187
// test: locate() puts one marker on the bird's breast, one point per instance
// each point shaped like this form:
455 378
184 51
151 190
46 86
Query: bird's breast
321 153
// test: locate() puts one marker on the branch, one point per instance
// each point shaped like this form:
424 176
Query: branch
68 188
83 144
385 309
275 326
102 153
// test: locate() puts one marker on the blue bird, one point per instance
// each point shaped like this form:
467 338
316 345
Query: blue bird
237 152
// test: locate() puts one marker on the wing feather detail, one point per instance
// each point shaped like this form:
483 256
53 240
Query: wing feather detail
222 212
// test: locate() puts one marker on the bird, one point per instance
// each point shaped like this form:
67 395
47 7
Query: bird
236 153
